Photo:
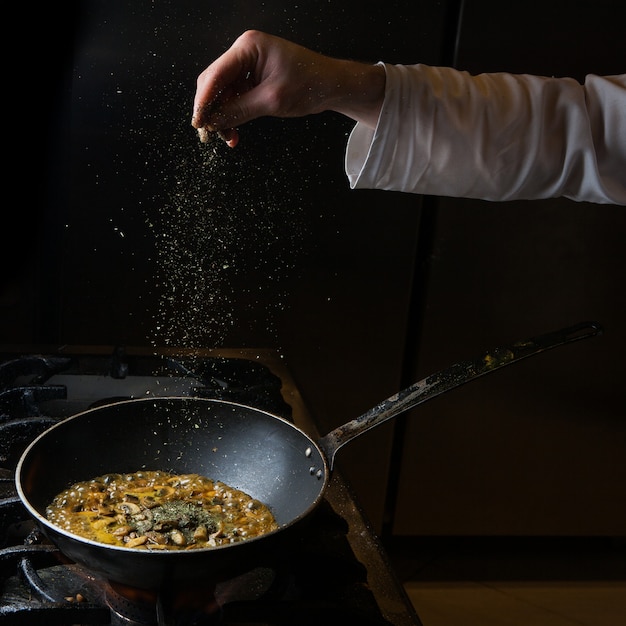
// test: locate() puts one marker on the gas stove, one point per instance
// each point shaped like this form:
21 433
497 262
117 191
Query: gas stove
337 572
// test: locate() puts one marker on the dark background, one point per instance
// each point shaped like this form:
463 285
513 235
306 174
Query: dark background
123 230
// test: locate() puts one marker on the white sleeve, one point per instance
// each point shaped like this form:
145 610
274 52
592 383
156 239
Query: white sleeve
494 136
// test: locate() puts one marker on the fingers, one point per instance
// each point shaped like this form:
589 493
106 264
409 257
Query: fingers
260 75
230 136
215 96
221 85
213 119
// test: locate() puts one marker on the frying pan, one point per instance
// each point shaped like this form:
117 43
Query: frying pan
260 453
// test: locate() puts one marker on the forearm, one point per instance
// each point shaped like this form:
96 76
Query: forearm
358 92
495 137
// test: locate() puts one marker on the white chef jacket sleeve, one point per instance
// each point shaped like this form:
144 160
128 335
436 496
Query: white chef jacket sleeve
494 136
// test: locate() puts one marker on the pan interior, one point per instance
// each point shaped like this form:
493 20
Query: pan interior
259 453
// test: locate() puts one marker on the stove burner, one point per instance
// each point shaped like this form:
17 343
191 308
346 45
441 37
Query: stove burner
196 606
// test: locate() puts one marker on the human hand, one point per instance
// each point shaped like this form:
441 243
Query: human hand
262 75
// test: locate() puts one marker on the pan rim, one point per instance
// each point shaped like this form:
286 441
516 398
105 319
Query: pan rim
146 552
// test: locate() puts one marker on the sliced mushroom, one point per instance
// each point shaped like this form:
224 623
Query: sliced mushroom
136 541
129 508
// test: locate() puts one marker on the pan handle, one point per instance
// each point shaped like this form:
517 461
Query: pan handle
449 378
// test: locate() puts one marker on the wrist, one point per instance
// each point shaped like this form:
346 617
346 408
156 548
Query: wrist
360 92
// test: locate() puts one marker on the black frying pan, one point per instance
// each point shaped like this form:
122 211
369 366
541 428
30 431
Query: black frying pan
262 454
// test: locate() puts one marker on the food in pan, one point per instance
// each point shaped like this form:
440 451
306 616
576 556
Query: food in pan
157 510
